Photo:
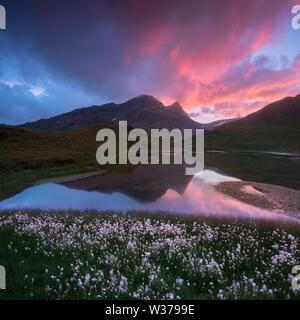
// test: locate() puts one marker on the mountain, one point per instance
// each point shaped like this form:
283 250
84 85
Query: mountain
274 128
143 112
282 113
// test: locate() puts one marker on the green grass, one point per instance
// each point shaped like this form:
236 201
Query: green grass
72 255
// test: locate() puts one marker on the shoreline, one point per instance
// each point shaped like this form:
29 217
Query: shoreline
281 200
69 178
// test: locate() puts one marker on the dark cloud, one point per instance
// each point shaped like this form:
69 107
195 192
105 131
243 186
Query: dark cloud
113 50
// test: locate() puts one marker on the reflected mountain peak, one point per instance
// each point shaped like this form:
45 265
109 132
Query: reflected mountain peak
145 183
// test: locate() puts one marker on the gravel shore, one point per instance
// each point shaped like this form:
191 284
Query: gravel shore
266 196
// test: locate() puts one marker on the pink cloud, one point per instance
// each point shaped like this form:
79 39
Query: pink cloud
199 53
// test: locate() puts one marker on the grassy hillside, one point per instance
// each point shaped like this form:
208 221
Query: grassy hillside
24 149
27 156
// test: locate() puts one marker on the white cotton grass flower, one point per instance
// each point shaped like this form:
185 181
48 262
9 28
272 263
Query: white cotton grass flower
113 256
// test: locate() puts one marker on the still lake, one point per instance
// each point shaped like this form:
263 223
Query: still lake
163 188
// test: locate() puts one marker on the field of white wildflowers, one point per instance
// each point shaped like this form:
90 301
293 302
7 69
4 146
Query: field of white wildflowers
88 256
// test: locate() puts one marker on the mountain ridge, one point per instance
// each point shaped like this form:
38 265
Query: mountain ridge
284 112
144 111
274 128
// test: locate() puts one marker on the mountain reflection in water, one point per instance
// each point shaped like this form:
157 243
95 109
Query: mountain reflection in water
142 188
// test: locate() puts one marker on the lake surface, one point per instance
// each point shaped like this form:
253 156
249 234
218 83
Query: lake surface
279 169
146 188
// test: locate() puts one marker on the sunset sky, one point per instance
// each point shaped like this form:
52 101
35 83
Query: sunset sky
219 59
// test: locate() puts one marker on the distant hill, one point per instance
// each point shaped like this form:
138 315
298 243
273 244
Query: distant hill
26 149
282 113
143 112
274 128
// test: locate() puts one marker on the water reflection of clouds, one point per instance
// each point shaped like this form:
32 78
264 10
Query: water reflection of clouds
199 197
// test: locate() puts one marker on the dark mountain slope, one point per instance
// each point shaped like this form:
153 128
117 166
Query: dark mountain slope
282 113
274 128
143 112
